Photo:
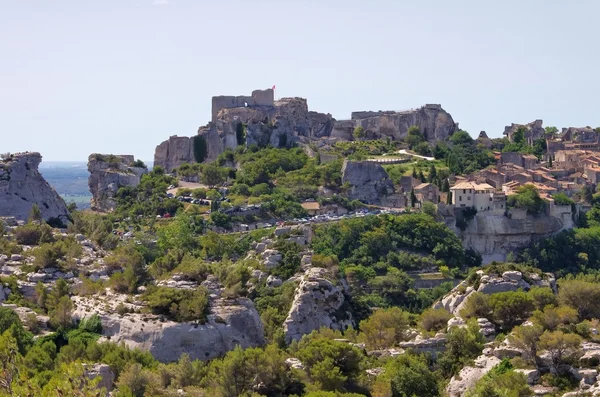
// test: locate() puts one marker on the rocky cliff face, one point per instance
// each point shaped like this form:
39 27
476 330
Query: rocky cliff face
494 236
22 186
369 181
108 173
229 324
174 151
433 121
287 121
317 303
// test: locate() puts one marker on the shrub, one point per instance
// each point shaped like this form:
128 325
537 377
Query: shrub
178 304
33 234
434 319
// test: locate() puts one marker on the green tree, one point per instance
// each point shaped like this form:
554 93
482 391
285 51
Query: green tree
414 137
384 329
410 376
559 345
213 175
60 316
526 338
462 346
35 214
432 175
413 198
446 186
510 308
359 133
527 197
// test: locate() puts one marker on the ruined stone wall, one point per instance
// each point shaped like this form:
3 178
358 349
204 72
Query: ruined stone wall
258 98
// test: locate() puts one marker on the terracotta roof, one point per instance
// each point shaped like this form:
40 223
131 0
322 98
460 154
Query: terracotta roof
472 185
422 186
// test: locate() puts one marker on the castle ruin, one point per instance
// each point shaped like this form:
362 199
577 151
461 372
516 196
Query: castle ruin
258 98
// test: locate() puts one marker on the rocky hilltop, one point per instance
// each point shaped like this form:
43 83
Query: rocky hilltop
434 122
22 186
108 173
261 120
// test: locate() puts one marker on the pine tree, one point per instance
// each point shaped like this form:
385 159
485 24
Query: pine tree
422 176
449 199
413 198
414 173
446 186
550 162
432 173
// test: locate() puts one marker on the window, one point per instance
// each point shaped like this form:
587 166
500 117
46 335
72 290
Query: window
490 199
468 197
464 191
459 198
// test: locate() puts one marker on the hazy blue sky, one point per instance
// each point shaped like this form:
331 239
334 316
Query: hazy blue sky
121 76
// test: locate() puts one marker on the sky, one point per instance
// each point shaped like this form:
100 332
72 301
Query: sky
121 76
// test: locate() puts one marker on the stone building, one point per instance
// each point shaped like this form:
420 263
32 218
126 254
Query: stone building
427 192
472 194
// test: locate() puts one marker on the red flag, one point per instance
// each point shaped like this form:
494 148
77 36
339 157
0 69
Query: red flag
273 88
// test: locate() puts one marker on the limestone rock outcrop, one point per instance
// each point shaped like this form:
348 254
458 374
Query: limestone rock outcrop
434 122
317 303
22 186
369 182
229 324
102 371
260 119
174 151
468 376
494 236
492 283
109 173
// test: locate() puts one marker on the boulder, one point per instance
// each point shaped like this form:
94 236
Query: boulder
456 322
22 186
16 257
532 375
107 376
273 281
369 182
109 173
317 303
4 292
468 376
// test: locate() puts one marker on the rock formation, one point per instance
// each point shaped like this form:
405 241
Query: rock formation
492 283
108 173
494 236
174 151
533 131
22 186
434 122
369 182
107 376
468 376
261 120
230 323
317 303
